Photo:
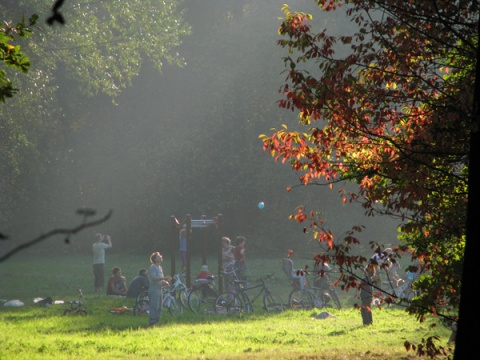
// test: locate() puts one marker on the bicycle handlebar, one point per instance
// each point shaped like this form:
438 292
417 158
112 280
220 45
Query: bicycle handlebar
266 277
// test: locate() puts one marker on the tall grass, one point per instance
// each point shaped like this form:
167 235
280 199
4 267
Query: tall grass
33 332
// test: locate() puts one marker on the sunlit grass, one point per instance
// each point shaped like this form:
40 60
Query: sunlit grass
47 334
32 332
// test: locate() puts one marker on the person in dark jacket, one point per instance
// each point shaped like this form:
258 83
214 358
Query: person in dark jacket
365 293
138 284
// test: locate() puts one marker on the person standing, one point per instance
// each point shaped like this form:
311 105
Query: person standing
183 248
99 260
228 256
365 292
228 261
240 258
381 261
157 280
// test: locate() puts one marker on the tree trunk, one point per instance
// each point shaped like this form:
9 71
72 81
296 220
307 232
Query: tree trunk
469 317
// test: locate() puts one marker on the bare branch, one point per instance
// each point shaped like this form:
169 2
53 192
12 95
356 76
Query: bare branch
54 232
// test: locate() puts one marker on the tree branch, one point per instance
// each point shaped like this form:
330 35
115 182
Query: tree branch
54 232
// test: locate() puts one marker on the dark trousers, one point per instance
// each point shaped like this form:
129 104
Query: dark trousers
366 311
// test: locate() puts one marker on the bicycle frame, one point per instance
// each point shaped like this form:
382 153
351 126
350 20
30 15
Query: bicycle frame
314 296
77 307
238 300
202 295
229 276
170 302
177 284
243 292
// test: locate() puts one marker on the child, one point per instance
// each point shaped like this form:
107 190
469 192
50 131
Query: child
203 274
240 258
183 248
204 282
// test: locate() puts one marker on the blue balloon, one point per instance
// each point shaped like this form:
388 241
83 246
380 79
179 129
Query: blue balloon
261 205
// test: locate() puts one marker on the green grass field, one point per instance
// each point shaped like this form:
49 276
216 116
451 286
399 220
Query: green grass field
33 332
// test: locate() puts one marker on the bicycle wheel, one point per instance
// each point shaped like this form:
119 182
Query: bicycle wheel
81 312
173 306
228 303
67 312
183 297
201 300
300 300
142 303
272 302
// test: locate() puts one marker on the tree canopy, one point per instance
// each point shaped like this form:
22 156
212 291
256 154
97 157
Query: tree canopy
388 106
95 55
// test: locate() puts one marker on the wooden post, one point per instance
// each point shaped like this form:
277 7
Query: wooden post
204 241
173 242
219 225
188 224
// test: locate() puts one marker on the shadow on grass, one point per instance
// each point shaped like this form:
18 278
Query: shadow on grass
97 320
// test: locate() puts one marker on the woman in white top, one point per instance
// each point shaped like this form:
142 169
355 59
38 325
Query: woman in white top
157 280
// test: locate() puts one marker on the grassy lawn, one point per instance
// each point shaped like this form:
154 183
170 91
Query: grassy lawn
33 332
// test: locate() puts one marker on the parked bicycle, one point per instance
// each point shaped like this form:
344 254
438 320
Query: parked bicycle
239 300
180 289
172 298
77 307
404 290
306 296
201 298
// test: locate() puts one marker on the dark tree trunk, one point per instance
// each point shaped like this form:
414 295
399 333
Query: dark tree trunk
469 317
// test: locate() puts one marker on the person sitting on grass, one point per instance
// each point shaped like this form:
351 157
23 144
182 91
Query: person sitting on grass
138 284
117 284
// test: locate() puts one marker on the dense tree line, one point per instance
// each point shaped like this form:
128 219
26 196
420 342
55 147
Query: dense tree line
183 140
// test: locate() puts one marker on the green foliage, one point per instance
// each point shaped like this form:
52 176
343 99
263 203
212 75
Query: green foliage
12 55
387 106
98 52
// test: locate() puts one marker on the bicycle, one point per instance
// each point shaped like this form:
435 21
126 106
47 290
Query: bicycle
404 291
180 289
171 302
317 296
238 300
77 307
201 299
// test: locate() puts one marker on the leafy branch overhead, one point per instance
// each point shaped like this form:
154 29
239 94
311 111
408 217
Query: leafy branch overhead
12 55
387 106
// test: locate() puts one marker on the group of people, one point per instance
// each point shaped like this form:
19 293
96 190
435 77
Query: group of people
153 279
233 260
233 256
117 283
381 263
